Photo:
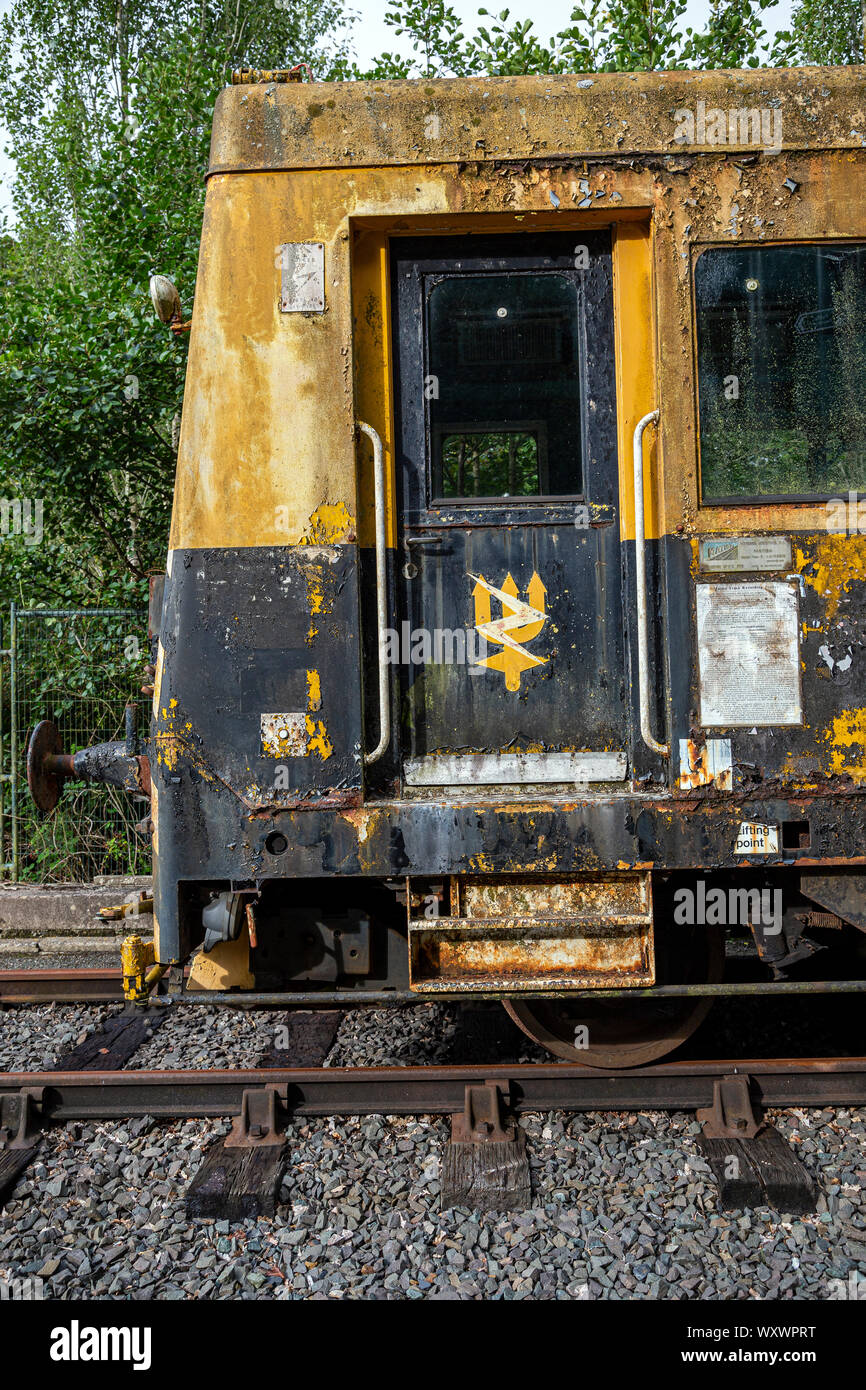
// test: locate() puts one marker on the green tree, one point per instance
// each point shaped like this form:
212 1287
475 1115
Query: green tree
110 158
603 36
734 37
825 32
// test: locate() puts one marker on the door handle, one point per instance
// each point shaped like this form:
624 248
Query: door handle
381 593
410 569
640 578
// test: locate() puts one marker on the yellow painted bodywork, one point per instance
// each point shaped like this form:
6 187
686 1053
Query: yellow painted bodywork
268 453
225 966
846 738
830 565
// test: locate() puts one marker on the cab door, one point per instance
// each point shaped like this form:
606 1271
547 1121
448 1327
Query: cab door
512 649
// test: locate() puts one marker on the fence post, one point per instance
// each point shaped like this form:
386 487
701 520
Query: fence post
3 865
13 736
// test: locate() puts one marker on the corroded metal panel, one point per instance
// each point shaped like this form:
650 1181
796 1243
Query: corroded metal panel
602 894
303 277
705 765
512 955
524 933
253 695
270 125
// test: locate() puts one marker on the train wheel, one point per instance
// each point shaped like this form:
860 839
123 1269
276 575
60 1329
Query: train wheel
623 1033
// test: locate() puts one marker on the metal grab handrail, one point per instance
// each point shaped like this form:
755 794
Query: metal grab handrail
640 579
381 593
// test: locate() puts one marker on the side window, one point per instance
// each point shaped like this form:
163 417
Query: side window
781 338
504 387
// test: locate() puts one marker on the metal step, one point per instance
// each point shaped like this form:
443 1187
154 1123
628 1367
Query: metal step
511 935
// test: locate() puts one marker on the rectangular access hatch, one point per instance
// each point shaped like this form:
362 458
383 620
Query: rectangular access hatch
535 934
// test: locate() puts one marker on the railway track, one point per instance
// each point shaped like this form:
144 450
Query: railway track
90 1083
92 1095
103 985
87 986
485 1165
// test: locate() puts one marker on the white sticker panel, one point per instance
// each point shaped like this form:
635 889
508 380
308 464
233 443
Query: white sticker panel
753 838
302 286
748 655
490 769
730 554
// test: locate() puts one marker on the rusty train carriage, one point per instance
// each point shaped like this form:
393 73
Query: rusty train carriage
395 281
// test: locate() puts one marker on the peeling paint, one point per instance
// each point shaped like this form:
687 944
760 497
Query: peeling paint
830 565
706 765
847 739
329 524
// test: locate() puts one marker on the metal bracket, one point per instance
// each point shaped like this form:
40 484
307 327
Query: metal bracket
137 905
256 1126
731 1115
483 1118
780 950
20 1125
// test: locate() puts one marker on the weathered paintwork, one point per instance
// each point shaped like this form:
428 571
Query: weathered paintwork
272 530
535 934
264 125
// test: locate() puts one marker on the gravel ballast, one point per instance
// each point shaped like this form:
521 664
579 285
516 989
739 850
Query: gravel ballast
623 1206
36 1036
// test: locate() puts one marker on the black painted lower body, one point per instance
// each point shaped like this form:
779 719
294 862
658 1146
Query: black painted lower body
437 838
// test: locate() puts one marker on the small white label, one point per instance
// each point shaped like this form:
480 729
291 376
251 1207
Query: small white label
753 838
284 735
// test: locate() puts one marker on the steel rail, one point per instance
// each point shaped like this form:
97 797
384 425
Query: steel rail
104 985
89 1095
60 986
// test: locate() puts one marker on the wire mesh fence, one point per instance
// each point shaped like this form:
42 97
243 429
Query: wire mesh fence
77 667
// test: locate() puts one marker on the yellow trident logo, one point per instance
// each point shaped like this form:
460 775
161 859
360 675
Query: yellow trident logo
520 622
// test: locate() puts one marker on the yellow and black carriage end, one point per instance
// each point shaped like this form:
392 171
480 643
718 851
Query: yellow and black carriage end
513 607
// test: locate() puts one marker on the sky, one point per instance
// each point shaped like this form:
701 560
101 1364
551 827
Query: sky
371 36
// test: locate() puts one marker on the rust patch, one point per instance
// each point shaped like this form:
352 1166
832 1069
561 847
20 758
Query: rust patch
530 933
362 822
705 765
608 894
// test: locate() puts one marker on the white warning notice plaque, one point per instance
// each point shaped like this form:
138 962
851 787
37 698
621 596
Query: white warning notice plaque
757 839
748 655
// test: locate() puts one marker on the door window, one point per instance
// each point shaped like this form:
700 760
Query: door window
504 387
